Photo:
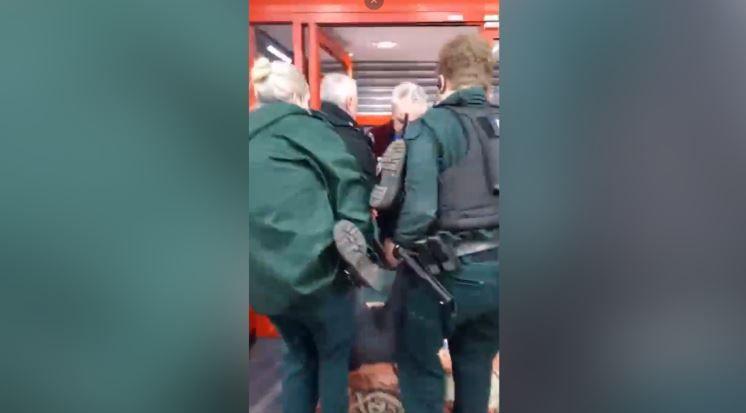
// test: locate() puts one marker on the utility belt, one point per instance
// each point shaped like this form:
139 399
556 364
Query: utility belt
433 255
441 252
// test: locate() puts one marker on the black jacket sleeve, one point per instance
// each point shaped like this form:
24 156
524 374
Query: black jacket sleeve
360 146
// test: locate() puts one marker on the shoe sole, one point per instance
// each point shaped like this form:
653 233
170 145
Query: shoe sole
352 247
392 165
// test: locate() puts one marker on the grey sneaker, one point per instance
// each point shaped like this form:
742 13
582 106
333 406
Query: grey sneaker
389 185
353 249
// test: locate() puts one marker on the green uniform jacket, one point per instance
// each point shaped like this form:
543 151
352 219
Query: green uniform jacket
434 142
301 181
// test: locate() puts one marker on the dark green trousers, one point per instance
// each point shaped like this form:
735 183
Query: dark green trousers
318 333
473 340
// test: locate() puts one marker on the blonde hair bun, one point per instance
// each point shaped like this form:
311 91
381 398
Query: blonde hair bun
278 81
261 70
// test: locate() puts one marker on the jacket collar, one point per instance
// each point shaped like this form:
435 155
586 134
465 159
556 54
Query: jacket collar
336 115
473 96
269 113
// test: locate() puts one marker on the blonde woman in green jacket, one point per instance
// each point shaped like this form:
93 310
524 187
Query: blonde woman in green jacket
302 181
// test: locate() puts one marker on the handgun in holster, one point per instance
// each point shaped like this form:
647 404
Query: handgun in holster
424 266
441 247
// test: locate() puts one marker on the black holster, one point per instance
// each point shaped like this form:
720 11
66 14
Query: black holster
420 265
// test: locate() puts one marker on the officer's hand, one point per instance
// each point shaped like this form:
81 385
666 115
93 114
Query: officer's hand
388 251
374 213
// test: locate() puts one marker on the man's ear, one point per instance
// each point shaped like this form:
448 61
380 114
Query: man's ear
303 101
349 104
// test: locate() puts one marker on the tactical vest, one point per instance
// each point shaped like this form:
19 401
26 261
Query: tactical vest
468 191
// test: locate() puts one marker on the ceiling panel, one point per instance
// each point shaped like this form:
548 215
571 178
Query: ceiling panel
413 43
418 43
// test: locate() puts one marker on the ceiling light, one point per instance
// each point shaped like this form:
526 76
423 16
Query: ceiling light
455 17
350 54
280 55
492 25
491 17
385 44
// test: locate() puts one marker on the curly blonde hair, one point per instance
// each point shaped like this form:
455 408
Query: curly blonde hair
466 61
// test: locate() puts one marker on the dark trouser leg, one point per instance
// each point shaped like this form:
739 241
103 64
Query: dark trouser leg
300 366
473 346
475 341
334 330
420 336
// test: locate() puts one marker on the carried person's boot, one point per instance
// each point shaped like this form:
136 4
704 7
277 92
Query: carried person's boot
392 165
353 249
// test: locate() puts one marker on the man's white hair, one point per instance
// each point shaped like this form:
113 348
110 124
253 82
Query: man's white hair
337 88
408 91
